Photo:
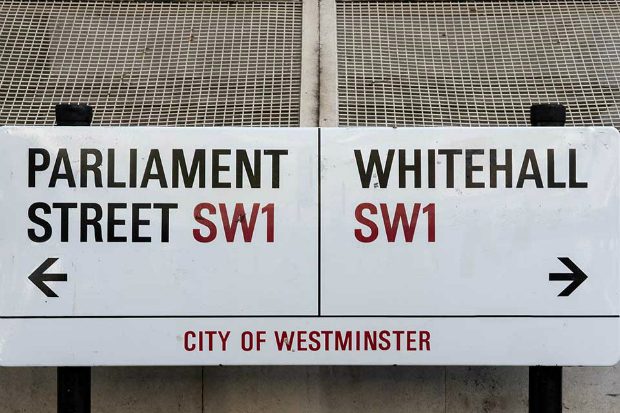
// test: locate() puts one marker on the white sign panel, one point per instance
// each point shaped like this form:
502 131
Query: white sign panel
198 246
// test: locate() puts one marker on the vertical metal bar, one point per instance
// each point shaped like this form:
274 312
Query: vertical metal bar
545 389
548 114
328 64
73 392
73 389
545 386
309 100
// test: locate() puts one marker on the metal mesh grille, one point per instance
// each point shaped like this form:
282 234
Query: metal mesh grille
193 63
477 63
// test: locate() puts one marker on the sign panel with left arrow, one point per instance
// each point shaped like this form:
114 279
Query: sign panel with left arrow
181 246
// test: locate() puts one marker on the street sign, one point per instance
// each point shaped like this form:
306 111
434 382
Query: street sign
202 246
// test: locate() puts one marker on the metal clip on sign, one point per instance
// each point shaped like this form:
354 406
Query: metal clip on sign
73 382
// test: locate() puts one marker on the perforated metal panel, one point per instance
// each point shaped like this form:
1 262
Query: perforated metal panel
152 62
477 63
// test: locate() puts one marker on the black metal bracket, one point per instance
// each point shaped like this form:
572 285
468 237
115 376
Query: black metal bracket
72 114
73 389
547 114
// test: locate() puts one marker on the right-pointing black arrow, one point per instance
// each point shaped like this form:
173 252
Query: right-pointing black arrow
39 277
576 276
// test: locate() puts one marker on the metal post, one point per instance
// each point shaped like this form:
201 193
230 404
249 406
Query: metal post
73 389
545 387
548 114
69 114
73 394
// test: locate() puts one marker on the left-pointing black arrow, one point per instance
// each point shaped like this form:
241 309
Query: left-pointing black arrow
39 277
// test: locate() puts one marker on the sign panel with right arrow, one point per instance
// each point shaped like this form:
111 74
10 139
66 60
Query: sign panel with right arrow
511 223
504 240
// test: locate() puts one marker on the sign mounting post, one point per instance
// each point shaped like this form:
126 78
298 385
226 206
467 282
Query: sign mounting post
545 386
73 383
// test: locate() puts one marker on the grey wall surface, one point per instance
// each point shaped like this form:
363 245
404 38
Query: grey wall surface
310 389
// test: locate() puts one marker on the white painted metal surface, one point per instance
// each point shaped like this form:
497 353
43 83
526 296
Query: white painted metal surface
473 285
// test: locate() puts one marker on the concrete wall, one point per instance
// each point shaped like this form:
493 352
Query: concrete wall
309 389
